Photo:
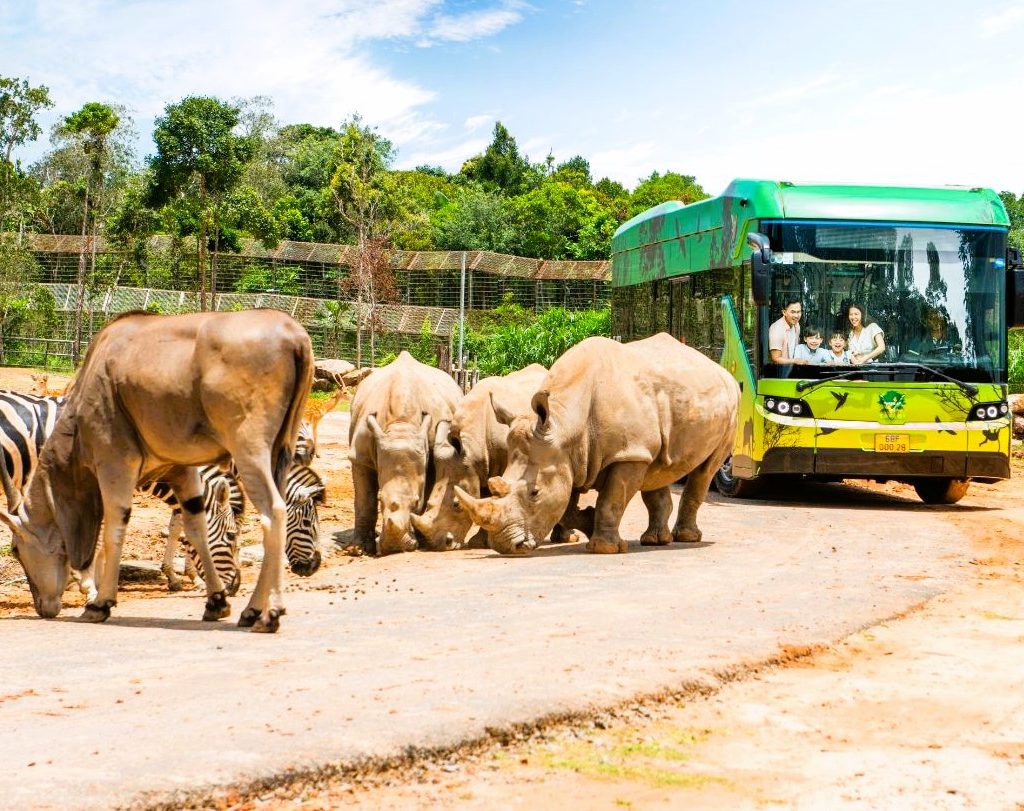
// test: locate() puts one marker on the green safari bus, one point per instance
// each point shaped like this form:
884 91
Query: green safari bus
929 266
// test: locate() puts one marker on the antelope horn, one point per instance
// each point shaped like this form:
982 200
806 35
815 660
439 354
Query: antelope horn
12 492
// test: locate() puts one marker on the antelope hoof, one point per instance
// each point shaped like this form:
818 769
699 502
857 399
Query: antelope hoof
217 607
248 617
656 538
95 612
270 625
688 535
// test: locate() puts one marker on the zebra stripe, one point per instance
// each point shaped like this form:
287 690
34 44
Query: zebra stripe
25 422
304 489
222 502
305 447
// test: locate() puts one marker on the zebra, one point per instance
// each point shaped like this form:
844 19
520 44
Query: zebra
305 445
27 420
303 490
223 502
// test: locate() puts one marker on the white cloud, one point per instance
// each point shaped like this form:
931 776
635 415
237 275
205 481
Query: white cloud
1002 21
308 56
449 158
474 24
475 122
627 165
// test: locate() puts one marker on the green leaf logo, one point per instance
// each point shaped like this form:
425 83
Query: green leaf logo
892 403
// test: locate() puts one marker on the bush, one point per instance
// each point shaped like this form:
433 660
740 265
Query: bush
501 348
1016 361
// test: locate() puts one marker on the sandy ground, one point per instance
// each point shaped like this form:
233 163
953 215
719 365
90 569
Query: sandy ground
923 711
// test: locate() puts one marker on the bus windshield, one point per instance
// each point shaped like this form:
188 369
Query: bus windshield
932 295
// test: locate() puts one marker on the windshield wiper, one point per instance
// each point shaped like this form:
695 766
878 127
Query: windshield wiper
810 384
967 388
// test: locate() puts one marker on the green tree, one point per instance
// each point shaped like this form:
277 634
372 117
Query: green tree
475 219
501 166
561 221
25 306
91 128
658 189
369 199
1015 209
20 103
199 154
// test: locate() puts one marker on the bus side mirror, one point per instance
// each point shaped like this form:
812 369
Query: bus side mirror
760 264
1014 289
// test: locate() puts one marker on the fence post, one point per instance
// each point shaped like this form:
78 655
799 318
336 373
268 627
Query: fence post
462 308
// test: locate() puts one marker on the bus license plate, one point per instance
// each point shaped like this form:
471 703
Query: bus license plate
892 443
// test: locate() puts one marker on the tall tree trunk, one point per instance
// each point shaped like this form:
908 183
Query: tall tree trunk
213 259
202 246
76 343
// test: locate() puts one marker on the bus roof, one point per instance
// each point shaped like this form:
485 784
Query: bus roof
712 233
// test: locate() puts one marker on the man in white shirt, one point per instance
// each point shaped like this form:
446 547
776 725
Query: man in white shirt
784 334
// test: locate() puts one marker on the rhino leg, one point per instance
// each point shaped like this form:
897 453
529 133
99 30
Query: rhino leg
659 508
364 484
622 481
697 483
573 519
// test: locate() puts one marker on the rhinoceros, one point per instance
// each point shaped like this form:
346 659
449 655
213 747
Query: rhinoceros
617 418
476 450
396 414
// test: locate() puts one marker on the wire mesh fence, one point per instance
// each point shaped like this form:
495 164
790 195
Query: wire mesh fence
305 280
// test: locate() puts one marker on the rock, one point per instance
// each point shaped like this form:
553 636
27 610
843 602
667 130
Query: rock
1018 426
330 373
1016 402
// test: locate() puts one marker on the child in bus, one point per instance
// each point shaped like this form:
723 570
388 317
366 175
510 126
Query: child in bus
811 350
838 356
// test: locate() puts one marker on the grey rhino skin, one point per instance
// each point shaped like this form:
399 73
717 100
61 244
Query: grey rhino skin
394 422
618 418
476 450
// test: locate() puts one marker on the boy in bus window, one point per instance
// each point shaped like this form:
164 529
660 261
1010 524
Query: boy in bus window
784 334
811 350
837 355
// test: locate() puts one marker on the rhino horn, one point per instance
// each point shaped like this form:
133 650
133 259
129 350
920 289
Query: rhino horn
480 509
419 524
498 486
13 496
371 420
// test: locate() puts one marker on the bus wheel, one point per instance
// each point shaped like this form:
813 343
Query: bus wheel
733 487
942 491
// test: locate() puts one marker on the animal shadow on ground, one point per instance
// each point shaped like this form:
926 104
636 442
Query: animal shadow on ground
839 494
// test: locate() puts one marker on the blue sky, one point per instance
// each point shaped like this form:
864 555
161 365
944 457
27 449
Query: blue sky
881 91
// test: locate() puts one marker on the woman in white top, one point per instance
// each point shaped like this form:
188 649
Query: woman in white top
867 341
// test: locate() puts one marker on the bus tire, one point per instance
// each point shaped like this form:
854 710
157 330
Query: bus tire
733 487
942 491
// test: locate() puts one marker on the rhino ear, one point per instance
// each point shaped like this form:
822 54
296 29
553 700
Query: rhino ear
498 486
441 434
501 413
539 404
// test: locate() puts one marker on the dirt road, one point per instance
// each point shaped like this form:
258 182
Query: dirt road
437 650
